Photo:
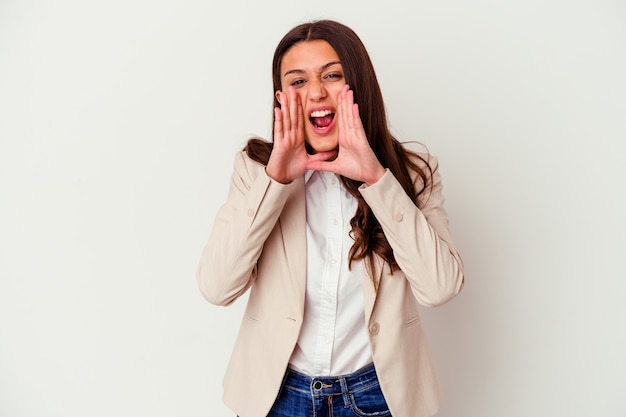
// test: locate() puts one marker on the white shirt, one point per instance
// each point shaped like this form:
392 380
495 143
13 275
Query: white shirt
333 339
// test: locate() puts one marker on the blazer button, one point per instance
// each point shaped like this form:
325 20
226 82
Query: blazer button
399 217
250 212
374 328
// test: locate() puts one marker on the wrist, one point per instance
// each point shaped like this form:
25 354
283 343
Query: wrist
377 175
277 178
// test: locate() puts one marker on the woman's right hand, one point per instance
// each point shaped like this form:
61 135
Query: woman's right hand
289 158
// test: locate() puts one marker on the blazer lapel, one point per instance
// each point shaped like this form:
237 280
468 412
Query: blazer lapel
371 284
293 229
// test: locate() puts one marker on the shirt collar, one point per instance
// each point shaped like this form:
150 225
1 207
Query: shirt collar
324 175
307 175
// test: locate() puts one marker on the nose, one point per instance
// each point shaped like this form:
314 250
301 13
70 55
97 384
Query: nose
317 91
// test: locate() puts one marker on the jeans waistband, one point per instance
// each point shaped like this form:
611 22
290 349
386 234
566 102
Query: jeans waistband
332 385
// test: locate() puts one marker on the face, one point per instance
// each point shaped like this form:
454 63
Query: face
314 70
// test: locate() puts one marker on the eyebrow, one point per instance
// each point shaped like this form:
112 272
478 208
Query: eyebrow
322 68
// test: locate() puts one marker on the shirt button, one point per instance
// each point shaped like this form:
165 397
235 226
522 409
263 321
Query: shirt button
399 217
335 222
374 328
250 212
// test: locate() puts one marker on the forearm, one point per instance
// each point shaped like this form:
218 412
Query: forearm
420 239
227 266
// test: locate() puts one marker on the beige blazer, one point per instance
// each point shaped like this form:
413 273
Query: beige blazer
258 242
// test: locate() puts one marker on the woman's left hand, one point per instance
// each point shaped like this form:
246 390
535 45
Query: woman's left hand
355 159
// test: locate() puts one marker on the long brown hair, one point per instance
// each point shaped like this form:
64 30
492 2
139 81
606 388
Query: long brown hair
367 233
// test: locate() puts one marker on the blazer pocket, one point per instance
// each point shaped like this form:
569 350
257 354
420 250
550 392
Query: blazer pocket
410 322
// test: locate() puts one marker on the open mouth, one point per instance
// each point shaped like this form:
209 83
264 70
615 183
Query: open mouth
322 119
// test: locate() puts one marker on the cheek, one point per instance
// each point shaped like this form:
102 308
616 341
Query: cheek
302 95
334 94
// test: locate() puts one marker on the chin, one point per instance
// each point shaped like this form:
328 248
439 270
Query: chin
321 145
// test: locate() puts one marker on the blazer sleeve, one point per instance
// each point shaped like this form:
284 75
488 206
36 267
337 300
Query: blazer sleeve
420 238
227 265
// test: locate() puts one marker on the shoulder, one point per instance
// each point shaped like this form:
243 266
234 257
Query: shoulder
423 168
419 155
245 162
246 169
425 160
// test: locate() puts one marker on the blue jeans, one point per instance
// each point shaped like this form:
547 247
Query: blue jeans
357 394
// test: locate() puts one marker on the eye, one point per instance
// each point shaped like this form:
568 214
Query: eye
333 76
297 82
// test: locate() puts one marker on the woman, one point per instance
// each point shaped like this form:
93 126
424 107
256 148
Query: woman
339 232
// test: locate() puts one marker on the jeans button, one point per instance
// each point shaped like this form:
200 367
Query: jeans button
317 385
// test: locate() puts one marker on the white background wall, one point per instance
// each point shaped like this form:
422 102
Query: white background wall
118 125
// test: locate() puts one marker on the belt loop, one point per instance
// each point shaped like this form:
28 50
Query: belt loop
344 392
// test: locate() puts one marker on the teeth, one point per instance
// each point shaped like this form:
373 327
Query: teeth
321 113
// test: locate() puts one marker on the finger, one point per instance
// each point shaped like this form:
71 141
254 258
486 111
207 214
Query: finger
278 124
299 120
294 109
341 99
358 123
354 119
284 104
320 162
324 156
349 102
